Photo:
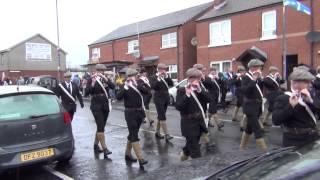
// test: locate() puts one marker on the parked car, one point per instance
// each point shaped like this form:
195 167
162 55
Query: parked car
183 83
46 81
34 128
284 163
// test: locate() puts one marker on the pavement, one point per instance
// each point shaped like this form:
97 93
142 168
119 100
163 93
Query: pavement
163 157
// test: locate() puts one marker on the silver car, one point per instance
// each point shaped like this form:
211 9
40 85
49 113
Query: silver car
33 127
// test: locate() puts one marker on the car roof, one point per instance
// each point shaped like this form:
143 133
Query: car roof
13 89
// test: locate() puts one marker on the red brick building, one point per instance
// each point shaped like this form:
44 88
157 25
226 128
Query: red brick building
233 26
165 39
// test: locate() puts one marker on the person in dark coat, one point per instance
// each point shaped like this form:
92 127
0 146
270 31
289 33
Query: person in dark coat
144 83
69 93
213 84
100 106
189 103
316 85
161 84
236 82
295 111
253 104
134 113
272 83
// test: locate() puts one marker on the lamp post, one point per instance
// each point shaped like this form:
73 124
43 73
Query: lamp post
58 48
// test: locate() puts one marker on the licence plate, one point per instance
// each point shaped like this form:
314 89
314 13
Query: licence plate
37 155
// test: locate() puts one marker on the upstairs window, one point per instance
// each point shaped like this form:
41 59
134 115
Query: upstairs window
220 33
269 25
95 53
133 46
169 40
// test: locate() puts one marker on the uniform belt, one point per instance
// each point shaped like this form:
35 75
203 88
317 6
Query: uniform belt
300 130
259 100
191 116
98 95
133 109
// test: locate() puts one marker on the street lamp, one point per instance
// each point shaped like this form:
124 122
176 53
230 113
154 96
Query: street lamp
58 48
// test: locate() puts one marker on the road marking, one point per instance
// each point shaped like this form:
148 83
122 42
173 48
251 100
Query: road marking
58 174
153 132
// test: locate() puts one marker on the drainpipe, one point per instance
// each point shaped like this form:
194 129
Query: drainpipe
311 30
178 54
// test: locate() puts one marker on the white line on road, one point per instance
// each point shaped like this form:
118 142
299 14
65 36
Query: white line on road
58 174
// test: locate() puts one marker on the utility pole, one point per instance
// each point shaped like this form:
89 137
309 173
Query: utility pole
58 48
284 43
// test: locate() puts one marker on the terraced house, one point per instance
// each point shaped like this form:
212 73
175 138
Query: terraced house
166 39
225 32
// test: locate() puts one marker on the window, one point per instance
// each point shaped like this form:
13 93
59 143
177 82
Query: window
18 107
221 66
269 25
133 46
169 40
173 71
95 53
220 33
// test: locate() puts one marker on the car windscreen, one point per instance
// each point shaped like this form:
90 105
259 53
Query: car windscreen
22 106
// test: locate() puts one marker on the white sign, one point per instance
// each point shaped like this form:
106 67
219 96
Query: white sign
38 51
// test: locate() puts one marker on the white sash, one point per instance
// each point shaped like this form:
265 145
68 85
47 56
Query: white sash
305 106
219 98
105 92
275 81
201 108
201 84
135 89
318 75
67 93
164 82
260 92
145 80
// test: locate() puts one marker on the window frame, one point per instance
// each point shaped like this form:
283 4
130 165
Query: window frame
131 46
95 55
220 62
170 72
263 29
168 37
220 40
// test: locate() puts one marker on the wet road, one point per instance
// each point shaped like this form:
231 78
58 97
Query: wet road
85 164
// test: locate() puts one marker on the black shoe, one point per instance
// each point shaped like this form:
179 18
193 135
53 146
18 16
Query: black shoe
220 125
129 158
210 125
266 124
235 120
168 137
159 136
241 129
142 162
144 121
97 149
151 123
106 152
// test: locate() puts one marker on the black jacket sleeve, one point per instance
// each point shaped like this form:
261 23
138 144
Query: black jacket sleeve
120 93
282 110
182 100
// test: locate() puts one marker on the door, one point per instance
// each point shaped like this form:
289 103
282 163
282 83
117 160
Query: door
292 61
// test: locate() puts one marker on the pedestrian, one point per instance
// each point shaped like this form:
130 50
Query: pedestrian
189 103
224 88
144 83
214 88
236 82
295 111
253 104
272 83
100 106
134 114
69 92
161 84
316 85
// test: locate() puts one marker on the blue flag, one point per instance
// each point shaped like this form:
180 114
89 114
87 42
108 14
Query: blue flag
297 5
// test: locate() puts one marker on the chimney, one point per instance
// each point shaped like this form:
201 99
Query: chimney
217 4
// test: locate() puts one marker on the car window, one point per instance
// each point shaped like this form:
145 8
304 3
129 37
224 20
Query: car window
23 106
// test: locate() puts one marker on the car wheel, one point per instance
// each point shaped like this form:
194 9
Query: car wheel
171 100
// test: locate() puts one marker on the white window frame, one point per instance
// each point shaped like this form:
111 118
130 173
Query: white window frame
172 70
263 29
170 38
131 46
223 38
221 64
95 53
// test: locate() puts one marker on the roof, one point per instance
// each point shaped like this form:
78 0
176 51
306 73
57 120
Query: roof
22 89
26 40
236 6
157 23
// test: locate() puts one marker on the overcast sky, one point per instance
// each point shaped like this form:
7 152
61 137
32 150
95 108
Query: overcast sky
81 21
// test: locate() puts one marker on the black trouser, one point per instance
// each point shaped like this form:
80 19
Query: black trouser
289 139
100 117
71 113
161 107
192 147
146 100
134 119
213 104
239 98
253 125
223 99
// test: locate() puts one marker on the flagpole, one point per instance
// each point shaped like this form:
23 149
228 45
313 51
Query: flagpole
58 48
284 43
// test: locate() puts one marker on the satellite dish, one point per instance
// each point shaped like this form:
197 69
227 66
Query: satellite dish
194 41
136 54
